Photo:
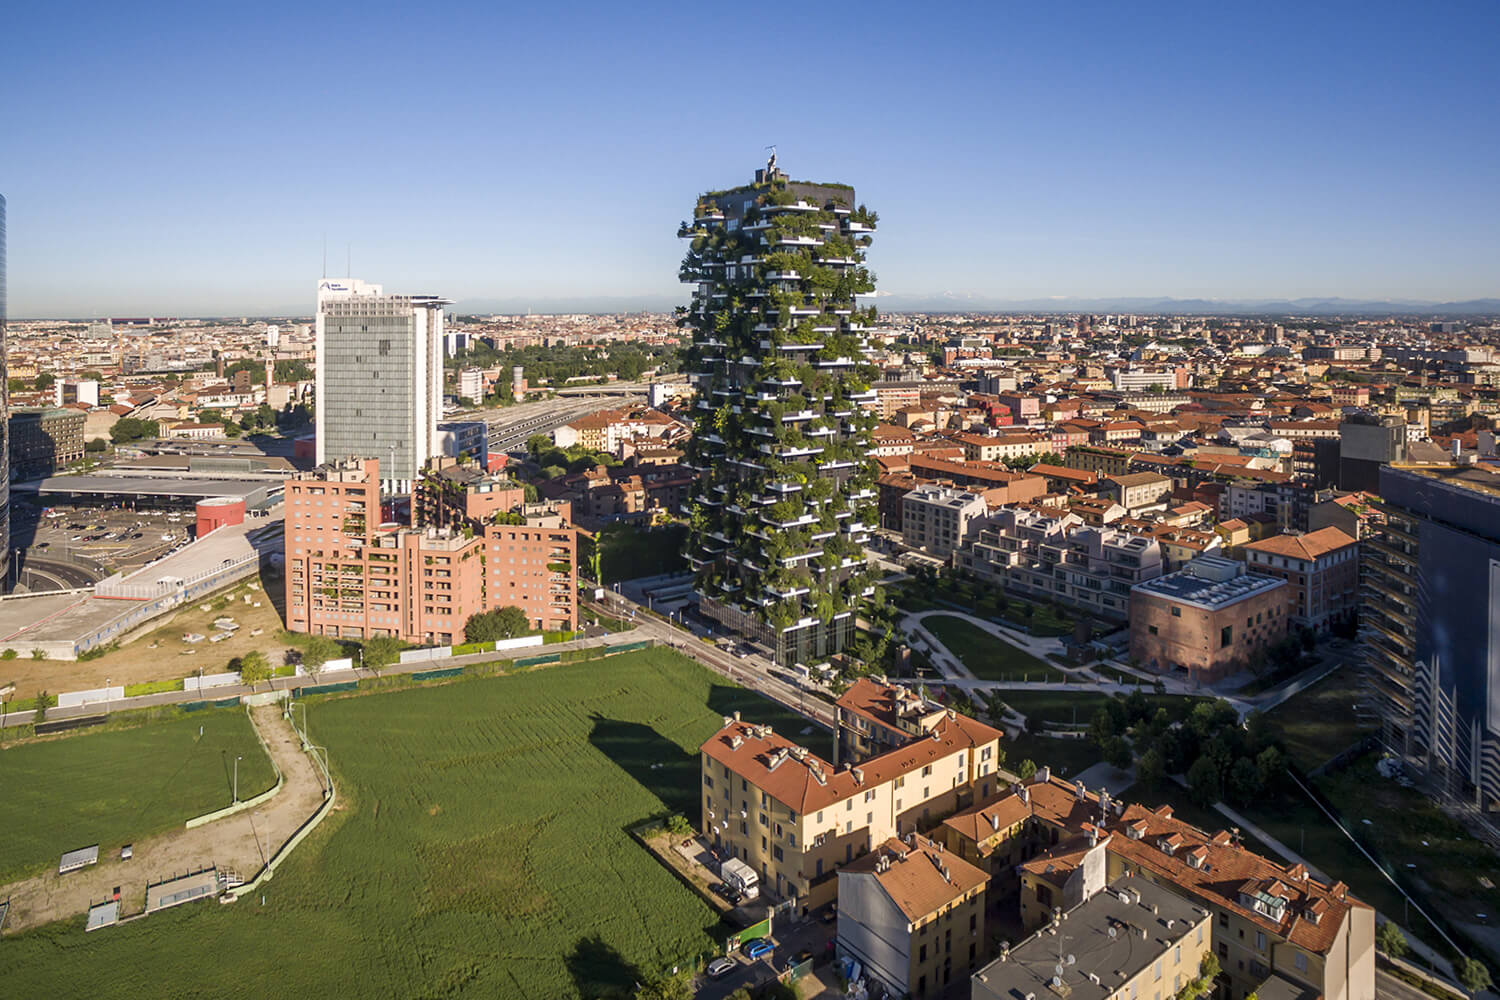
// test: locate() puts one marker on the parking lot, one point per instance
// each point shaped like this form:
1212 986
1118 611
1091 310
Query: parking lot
101 538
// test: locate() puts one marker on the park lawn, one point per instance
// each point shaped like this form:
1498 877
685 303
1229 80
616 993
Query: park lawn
1318 724
1406 828
115 786
988 657
1066 757
481 848
1064 708
1046 620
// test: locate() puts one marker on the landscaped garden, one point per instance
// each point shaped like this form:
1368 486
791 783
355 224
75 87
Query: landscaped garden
116 786
988 657
481 847
937 592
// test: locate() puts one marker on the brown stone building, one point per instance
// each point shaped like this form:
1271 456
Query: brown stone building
1322 568
1209 618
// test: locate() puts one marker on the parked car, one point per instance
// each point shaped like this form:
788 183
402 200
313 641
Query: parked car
757 948
721 967
726 891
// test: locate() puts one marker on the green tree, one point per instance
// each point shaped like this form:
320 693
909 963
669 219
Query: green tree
1391 941
96 445
133 429
1117 753
1203 782
44 381
1244 781
253 668
44 701
1151 768
677 987
318 650
502 623
1270 764
1473 974
1026 769
380 652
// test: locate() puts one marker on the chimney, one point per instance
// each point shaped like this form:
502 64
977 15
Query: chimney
736 716
1044 774
1080 790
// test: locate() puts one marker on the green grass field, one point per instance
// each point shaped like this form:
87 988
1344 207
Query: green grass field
1321 722
987 657
113 787
1066 757
482 850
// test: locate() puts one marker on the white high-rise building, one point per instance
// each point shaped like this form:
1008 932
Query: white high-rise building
273 336
379 378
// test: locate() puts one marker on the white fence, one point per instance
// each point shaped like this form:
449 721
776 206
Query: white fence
209 681
423 655
73 699
444 652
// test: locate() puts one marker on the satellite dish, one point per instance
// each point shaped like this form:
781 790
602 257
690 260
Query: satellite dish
1056 980
1111 932
1057 970
1072 960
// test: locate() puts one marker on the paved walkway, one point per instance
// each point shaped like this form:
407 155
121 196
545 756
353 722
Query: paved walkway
1107 777
241 842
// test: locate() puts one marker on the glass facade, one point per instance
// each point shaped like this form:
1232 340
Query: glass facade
376 397
4 423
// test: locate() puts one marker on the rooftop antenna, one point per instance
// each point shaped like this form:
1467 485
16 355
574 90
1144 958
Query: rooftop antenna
771 163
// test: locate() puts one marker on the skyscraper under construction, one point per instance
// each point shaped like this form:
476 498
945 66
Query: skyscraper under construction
786 495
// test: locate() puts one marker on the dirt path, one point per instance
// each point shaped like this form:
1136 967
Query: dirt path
241 842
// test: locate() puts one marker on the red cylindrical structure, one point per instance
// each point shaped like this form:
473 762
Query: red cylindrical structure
217 513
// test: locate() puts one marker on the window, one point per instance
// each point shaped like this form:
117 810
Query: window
1176 612
927 771
1223 920
1200 935
1156 971
1226 636
1223 952
1177 954
1151 629
1300 961
1260 941
922 954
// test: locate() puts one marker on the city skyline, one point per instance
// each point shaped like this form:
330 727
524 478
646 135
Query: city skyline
1016 156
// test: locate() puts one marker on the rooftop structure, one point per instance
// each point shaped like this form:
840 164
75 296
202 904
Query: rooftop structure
1211 583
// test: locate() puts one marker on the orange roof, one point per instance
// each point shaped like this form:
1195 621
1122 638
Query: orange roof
1311 546
920 877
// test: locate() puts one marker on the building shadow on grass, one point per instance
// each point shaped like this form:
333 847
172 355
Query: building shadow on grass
598 970
656 763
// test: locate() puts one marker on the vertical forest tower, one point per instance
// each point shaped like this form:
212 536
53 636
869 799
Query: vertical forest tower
784 411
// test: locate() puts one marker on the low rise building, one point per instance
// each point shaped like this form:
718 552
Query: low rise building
1060 558
912 915
1138 491
1210 618
1130 938
939 519
1322 569
796 818
44 440
1269 923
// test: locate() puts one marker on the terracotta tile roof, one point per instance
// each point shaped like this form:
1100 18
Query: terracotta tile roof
919 877
805 782
1310 546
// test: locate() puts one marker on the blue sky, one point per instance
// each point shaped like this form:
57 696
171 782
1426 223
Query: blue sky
189 159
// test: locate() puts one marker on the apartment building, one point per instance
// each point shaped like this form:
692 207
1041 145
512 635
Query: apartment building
607 429
1210 618
351 575
1138 491
939 519
1269 923
796 818
44 440
912 915
1060 558
1128 938
1322 568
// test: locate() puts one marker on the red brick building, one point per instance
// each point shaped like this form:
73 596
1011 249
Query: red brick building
349 575
1209 618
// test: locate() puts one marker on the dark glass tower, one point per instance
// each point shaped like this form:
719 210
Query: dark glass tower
4 423
786 494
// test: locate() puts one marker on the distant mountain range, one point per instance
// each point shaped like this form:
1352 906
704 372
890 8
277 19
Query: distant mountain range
966 303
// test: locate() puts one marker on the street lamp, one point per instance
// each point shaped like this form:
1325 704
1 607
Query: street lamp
237 778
